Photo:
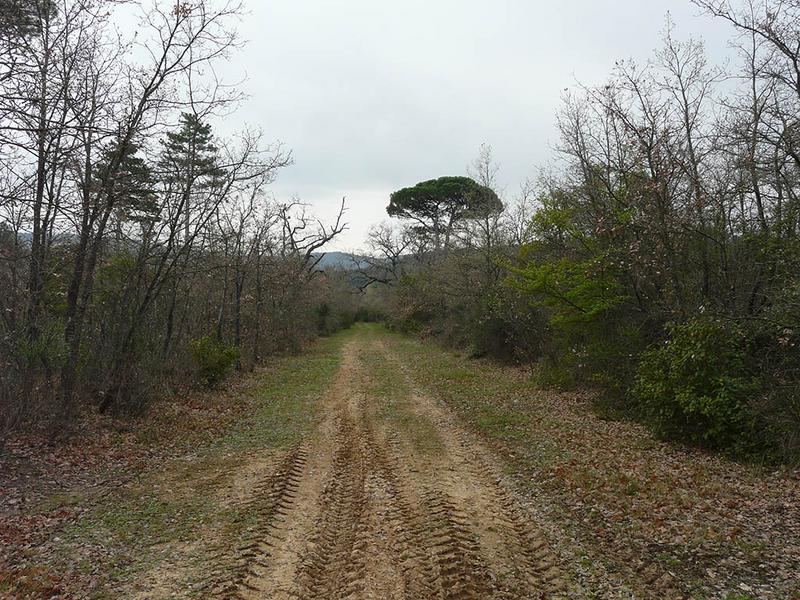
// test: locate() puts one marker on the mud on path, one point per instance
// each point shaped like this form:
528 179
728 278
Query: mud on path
387 499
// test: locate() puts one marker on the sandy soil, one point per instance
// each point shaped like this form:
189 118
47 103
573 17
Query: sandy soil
365 508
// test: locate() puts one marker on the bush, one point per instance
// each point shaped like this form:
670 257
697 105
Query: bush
214 359
367 314
776 351
28 373
509 328
333 319
46 352
324 320
696 387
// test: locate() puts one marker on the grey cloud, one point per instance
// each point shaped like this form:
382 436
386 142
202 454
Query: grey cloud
375 95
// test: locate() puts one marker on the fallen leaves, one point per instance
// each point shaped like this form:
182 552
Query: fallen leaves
666 516
46 484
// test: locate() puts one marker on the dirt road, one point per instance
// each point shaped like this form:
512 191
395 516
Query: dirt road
343 473
387 499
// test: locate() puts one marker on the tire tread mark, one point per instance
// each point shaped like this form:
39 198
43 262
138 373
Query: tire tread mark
462 574
339 526
272 499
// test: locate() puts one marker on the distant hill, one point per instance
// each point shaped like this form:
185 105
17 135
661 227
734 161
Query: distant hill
330 260
338 260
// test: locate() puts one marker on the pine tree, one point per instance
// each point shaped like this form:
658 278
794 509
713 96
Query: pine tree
132 186
22 18
190 163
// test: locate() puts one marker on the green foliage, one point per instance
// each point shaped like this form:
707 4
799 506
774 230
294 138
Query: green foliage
697 386
21 18
577 291
369 314
460 196
591 335
774 348
129 180
408 326
115 274
572 274
438 204
573 268
332 318
214 359
323 319
414 306
189 155
47 350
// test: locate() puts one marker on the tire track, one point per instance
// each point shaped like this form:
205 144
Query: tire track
385 520
412 534
535 565
515 555
462 575
537 559
272 499
326 571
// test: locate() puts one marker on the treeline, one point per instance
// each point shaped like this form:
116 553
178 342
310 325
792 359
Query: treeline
658 261
137 246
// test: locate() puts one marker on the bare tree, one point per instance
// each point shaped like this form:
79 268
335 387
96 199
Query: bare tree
388 254
518 220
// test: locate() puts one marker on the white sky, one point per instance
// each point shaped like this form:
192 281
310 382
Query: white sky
375 95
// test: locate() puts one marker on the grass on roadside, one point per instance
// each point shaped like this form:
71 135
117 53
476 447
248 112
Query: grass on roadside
611 484
392 395
137 526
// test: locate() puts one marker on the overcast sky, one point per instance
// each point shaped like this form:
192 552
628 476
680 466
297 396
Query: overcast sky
375 95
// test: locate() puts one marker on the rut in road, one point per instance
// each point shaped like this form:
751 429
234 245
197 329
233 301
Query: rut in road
361 510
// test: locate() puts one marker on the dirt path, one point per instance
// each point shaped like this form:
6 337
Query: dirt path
387 499
373 466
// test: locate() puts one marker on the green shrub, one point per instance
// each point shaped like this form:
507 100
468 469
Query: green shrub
776 351
331 319
697 386
47 351
324 320
214 359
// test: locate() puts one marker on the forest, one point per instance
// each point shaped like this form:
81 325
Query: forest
656 261
138 246
584 386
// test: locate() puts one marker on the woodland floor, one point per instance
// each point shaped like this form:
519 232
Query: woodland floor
376 466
